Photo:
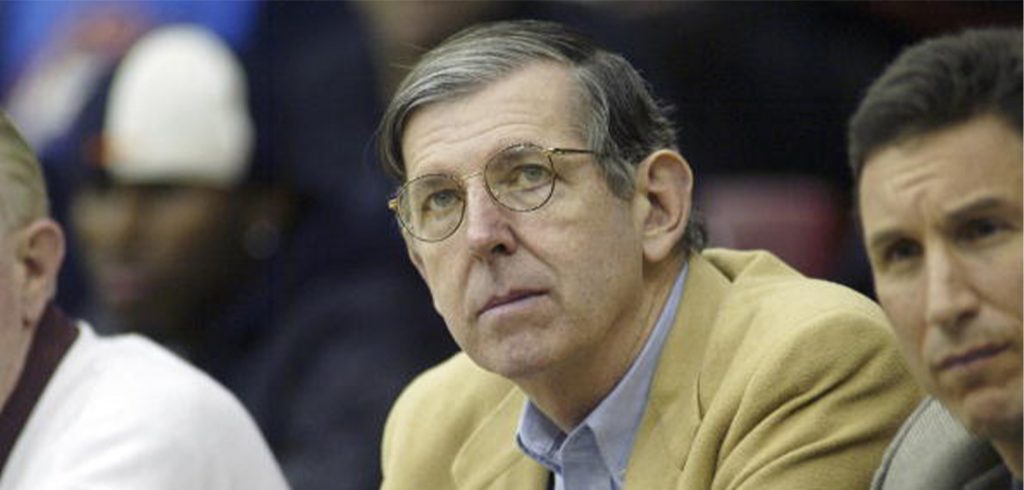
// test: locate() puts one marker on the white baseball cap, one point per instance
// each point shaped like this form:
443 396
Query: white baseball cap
178 111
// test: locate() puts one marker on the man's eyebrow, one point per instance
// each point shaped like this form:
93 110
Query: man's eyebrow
978 206
498 147
960 214
883 238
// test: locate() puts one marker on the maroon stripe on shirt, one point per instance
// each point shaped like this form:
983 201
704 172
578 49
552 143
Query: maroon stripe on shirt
52 339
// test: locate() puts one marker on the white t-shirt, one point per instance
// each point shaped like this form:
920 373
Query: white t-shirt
123 413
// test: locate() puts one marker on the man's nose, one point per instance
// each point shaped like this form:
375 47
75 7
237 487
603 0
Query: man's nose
488 232
952 301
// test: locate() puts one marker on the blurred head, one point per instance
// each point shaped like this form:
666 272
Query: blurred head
31 245
936 148
568 195
171 219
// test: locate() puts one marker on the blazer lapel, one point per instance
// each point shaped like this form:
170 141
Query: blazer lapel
673 411
490 458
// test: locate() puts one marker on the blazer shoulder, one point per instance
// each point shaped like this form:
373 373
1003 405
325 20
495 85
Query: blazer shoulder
778 324
768 299
760 274
800 385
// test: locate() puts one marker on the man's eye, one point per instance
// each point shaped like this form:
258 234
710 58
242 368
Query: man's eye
900 251
526 175
978 229
441 201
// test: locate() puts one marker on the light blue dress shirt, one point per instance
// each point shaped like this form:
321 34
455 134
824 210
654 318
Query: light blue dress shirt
594 455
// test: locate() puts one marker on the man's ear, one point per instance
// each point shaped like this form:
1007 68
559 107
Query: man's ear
39 253
662 203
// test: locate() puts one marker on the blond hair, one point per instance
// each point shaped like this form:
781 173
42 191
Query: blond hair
22 188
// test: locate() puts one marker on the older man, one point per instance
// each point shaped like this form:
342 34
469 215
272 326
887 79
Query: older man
549 212
936 150
81 411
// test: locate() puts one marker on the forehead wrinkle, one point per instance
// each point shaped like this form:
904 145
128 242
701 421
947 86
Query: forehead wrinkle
939 180
902 185
951 206
886 227
911 180
444 128
436 156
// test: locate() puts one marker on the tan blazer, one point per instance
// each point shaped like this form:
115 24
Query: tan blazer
768 380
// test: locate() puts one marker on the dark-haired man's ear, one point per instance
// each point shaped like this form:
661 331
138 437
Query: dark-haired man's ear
39 253
662 203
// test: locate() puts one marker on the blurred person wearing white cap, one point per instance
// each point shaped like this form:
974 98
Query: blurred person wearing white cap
171 223
84 411
186 227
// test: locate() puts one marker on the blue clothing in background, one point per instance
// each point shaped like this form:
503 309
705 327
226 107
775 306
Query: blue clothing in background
27 25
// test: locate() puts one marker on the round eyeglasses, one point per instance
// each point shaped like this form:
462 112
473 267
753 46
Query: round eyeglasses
520 177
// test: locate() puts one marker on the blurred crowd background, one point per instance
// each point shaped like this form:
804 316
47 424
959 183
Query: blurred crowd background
288 282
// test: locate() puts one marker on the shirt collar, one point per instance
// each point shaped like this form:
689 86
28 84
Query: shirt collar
52 339
615 420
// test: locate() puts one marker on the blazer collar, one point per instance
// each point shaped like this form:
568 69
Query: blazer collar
490 458
673 409
53 338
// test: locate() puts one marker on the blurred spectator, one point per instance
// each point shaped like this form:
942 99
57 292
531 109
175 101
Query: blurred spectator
55 56
195 237
78 410
176 214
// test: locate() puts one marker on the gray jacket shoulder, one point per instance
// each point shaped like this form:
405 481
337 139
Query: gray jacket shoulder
934 451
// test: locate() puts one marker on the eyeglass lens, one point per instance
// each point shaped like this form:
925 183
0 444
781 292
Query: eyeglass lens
520 178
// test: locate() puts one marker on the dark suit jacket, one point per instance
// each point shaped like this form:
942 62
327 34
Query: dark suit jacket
933 451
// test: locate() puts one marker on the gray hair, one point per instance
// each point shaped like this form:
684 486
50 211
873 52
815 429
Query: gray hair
22 187
936 84
615 111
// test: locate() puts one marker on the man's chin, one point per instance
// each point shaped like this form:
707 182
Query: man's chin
992 413
516 363
516 350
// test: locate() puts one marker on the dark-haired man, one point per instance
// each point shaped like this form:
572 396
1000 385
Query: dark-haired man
936 150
